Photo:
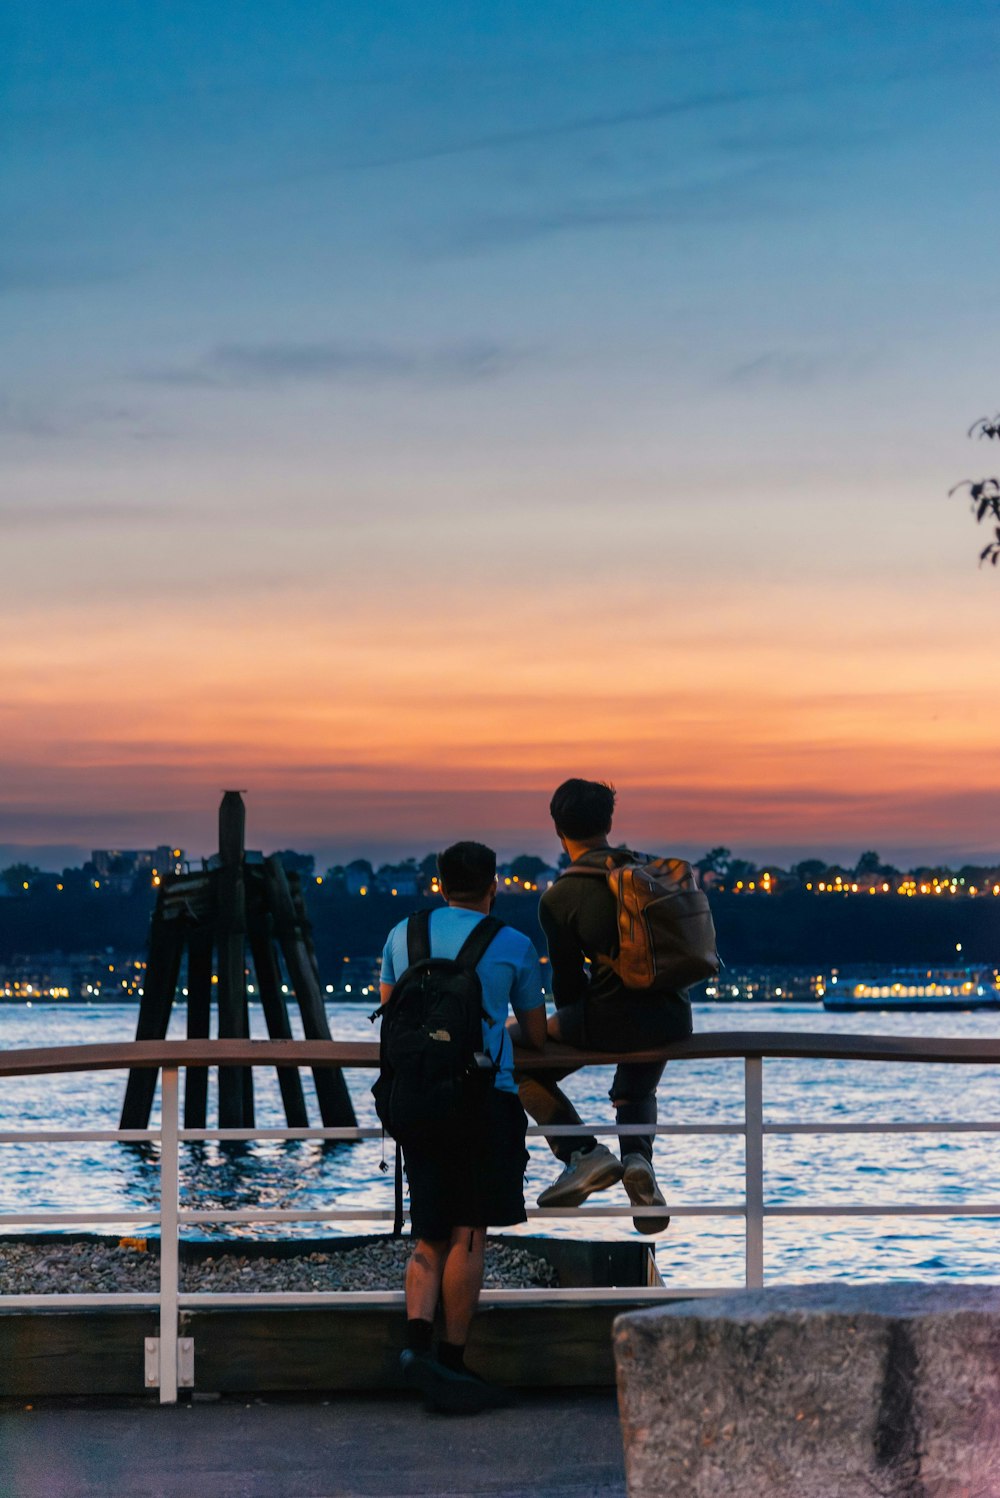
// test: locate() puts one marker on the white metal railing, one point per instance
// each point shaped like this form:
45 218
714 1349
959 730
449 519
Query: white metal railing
171 1218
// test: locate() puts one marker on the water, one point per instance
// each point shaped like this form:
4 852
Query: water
695 1252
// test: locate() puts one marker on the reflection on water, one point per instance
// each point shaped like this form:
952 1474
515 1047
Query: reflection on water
798 1168
226 1176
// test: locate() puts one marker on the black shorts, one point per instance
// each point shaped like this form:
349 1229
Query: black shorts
474 1178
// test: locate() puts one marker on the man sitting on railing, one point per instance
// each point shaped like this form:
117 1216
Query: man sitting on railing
472 1176
595 1011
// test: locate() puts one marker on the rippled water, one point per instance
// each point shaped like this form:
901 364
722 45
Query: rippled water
695 1252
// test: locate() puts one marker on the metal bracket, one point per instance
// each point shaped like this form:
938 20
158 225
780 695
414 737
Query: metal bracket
185 1362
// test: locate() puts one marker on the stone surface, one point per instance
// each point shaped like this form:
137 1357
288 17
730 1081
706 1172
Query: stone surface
823 1391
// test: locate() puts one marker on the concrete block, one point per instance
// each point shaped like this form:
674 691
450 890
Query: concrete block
823 1391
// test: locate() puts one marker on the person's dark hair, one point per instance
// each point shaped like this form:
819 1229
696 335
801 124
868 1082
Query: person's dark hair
467 870
583 808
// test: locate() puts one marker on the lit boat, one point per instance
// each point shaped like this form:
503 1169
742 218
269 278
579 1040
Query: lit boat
925 989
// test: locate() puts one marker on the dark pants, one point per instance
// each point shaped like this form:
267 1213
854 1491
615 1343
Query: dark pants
625 1023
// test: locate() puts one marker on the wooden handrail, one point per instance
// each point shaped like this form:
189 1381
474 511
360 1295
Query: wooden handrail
804 1046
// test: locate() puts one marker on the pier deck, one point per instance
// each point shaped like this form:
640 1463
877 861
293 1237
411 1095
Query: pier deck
564 1445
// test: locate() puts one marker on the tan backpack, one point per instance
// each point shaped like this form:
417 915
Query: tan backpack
665 930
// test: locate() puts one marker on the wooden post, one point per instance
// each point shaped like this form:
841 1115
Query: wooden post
272 1000
163 963
335 1106
199 1015
235 1082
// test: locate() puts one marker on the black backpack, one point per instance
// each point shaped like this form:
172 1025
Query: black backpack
434 1074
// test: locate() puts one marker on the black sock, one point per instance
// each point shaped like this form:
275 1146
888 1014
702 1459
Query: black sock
452 1355
418 1335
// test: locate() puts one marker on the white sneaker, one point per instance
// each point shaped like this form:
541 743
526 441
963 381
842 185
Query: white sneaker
587 1171
640 1183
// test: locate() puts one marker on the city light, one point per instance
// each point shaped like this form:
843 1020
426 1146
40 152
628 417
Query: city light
77 977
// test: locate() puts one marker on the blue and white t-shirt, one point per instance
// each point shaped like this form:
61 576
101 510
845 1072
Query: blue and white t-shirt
510 974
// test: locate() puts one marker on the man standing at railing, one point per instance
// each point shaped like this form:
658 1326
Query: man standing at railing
467 1174
596 1011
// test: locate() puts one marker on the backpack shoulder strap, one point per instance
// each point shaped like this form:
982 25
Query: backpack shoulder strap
473 949
418 937
614 859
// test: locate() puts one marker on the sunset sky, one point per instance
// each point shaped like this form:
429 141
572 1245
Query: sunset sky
405 406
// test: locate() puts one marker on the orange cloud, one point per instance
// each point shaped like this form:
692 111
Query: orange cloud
796 718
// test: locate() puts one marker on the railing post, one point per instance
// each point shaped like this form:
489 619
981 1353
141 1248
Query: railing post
754 1157
169 1200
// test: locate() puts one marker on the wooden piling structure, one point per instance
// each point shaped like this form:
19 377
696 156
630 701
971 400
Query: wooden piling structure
221 913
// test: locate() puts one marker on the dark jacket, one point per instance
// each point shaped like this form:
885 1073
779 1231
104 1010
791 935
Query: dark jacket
579 917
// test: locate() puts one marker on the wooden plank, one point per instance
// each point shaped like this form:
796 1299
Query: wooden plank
100 1352
73 1352
163 962
356 1348
189 897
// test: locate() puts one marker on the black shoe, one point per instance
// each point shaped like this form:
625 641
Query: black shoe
586 1171
446 1391
640 1183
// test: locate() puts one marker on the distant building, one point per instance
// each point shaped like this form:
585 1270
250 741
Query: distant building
358 877
398 879
91 976
121 868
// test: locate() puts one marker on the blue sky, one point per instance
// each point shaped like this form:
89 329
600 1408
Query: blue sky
415 323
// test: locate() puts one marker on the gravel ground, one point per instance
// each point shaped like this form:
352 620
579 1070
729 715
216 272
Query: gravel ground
78 1268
